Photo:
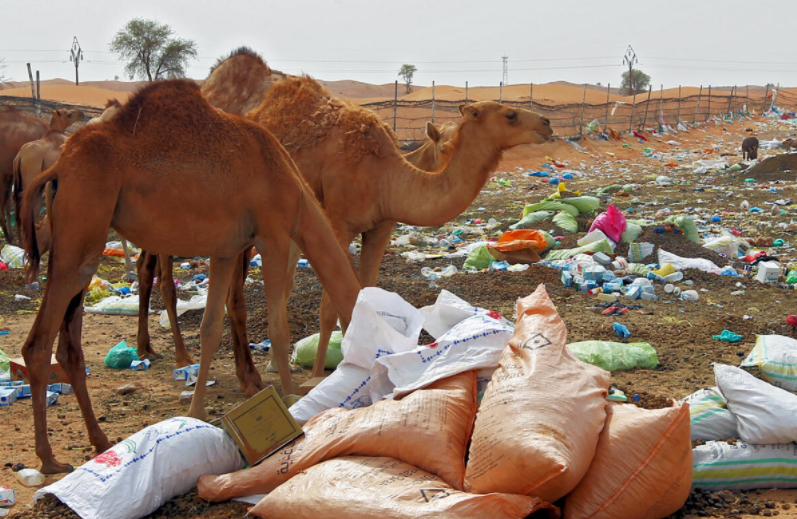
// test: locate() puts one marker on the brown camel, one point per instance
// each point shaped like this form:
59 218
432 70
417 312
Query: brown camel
238 188
429 157
17 129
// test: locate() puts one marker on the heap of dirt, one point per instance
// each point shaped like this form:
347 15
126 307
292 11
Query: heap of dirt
676 243
779 167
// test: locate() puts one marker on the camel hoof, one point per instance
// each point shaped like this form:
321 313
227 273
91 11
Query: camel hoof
181 363
53 467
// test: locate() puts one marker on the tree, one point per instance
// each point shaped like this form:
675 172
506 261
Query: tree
406 72
151 52
640 82
598 83
3 77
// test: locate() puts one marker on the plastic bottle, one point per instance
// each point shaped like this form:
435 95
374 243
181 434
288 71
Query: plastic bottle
668 288
30 477
428 273
674 277
449 271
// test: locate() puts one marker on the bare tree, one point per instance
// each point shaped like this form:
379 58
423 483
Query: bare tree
3 77
406 72
150 51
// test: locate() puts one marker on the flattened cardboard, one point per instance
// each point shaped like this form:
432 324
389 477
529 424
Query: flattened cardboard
20 372
261 425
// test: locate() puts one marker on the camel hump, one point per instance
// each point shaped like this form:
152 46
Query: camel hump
176 97
244 53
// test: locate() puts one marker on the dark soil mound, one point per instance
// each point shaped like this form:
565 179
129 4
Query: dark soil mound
779 167
677 244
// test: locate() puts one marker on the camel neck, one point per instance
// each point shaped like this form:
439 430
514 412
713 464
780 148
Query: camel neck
416 197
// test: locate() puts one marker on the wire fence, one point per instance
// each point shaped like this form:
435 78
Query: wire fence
43 108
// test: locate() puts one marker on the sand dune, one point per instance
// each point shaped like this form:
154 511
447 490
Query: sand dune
82 95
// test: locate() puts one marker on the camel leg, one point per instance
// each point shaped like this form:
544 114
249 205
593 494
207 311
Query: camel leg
211 328
245 369
169 295
275 264
146 274
70 356
5 209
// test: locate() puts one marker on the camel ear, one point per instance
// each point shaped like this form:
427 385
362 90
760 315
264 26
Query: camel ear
469 111
432 132
57 112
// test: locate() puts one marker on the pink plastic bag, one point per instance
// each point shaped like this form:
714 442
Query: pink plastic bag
611 222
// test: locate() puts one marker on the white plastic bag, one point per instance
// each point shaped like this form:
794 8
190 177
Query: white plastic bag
115 305
776 356
197 302
743 466
709 416
727 245
687 263
475 343
136 476
449 310
765 413
382 323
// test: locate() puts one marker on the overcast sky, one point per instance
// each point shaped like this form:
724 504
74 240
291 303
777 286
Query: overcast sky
677 42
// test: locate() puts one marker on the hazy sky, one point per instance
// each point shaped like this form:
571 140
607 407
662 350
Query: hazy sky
677 42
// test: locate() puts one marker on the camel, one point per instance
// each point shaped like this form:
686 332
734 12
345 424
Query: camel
17 129
429 156
238 187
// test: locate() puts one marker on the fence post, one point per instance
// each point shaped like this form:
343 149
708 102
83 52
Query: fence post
531 95
631 121
466 92
774 96
395 106
581 121
697 108
606 122
764 104
501 92
709 104
32 87
661 105
647 105
432 102
38 96
747 100
679 106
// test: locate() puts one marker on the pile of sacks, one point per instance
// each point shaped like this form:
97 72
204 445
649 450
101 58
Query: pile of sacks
409 437
762 414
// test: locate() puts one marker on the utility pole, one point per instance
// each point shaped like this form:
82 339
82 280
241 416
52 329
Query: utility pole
630 59
505 76
76 56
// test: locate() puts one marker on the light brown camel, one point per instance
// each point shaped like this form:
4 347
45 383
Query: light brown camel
17 129
430 156
237 187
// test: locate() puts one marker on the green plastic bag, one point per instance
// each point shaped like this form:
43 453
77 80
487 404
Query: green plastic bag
609 189
550 241
550 205
566 221
596 246
4 362
631 233
687 225
584 204
613 356
304 354
121 356
479 259
530 220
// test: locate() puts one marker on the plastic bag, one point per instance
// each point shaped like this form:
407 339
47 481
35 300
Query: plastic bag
5 361
642 466
687 263
613 356
121 356
197 302
753 466
591 237
765 413
136 476
727 245
611 222
639 251
474 343
776 355
519 246
597 246
531 219
359 487
306 349
542 412
12 256
479 259
584 204
449 310
382 323
115 305
429 428
687 225
709 416
550 205
631 233
566 221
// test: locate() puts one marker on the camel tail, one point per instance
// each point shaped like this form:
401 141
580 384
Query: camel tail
27 221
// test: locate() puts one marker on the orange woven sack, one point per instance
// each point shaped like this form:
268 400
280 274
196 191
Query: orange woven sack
364 488
428 428
520 246
642 468
542 412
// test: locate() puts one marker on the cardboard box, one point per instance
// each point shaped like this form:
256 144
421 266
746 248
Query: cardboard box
261 425
768 272
7 496
310 385
20 372
7 396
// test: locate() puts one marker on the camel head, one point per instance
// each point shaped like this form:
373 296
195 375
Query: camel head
63 119
111 107
438 149
505 126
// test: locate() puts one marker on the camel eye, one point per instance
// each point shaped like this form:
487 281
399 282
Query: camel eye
511 116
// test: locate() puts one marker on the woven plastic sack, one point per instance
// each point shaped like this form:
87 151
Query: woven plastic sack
358 487
765 413
642 468
639 251
305 350
611 222
709 416
744 466
136 476
687 225
566 221
776 356
479 259
550 205
430 429
613 356
596 246
532 219
121 356
631 232
519 246
5 362
115 305
449 310
541 415
12 256
584 204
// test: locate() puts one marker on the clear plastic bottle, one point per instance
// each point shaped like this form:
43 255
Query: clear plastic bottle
30 477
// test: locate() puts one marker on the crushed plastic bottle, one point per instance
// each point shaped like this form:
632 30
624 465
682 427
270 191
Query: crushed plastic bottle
30 477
